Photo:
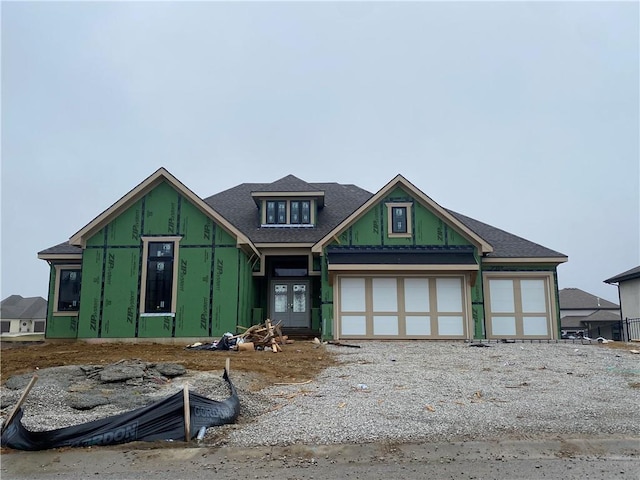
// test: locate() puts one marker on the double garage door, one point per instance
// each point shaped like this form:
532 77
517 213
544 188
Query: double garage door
402 307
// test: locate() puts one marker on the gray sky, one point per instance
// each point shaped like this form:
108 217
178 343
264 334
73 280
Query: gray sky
521 115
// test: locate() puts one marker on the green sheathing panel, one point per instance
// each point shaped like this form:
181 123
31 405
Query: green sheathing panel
120 292
124 230
155 326
225 291
91 292
194 278
246 292
195 227
59 326
161 211
366 231
326 307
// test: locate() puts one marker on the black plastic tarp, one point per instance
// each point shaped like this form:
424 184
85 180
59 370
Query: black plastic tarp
163 420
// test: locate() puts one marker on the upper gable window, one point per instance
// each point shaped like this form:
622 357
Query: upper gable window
287 212
399 219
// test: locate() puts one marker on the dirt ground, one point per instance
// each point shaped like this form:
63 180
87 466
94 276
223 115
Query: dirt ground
298 361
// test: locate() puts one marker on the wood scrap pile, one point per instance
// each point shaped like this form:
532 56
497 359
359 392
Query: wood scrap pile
262 336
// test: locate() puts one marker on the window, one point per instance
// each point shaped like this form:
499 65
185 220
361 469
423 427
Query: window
300 212
159 276
38 326
67 290
277 213
287 212
399 219
5 326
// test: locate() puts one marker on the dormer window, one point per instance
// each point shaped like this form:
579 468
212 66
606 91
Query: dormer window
300 212
287 213
276 213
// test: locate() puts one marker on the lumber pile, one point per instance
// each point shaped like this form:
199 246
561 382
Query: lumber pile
261 336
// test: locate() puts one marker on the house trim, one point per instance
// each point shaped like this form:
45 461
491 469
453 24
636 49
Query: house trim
55 257
521 260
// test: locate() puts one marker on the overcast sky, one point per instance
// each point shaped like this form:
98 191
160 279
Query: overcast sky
521 115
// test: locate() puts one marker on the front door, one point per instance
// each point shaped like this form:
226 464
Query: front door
290 303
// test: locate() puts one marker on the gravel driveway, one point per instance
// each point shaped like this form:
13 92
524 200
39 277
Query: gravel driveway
415 391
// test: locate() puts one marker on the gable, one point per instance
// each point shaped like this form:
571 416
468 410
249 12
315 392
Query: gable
430 223
428 228
155 207
161 211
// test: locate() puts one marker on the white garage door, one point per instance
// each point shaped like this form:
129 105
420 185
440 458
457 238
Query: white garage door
401 307
518 307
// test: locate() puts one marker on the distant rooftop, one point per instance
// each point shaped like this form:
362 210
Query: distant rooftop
576 299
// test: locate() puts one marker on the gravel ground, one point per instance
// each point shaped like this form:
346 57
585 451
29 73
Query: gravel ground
414 391
399 392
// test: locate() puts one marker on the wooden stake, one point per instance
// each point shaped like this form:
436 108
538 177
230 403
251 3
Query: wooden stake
187 415
32 382
227 365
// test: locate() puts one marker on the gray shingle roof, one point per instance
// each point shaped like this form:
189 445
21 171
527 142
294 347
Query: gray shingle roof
290 183
61 248
18 307
628 275
576 299
602 316
505 244
237 206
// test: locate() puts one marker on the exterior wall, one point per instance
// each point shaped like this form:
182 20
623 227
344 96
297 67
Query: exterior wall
213 287
630 298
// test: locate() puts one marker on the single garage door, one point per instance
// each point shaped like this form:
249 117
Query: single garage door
402 307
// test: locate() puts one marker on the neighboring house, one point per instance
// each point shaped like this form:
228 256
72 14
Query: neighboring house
629 294
23 315
583 314
321 258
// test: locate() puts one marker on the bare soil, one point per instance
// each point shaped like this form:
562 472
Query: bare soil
298 361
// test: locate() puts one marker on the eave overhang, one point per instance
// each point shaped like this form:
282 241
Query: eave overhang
318 196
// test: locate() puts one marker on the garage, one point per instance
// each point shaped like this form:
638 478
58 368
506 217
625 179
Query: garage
407 307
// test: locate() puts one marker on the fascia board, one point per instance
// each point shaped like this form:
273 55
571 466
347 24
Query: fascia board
60 256
522 260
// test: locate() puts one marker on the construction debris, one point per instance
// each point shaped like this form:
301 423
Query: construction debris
263 337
